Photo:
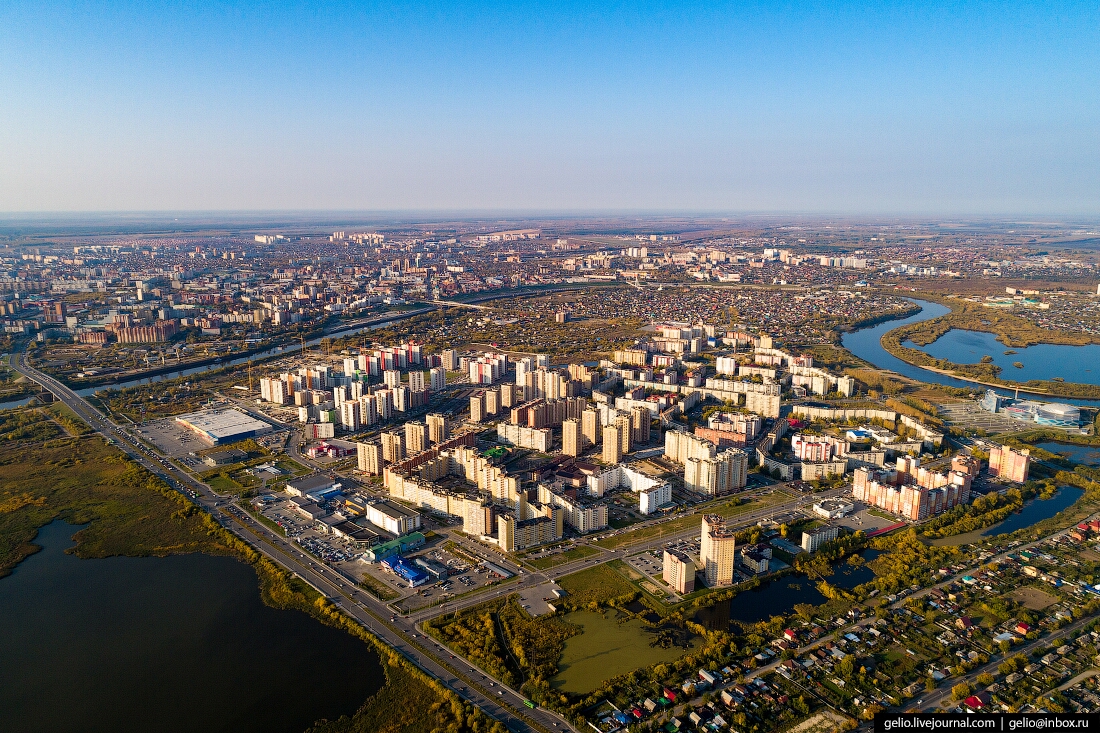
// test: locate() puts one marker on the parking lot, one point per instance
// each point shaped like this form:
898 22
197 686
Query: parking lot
172 440
535 599
466 577
968 415
862 519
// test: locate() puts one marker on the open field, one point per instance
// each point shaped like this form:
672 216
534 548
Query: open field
597 584
562 558
1034 599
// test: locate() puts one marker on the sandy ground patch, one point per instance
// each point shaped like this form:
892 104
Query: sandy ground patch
1033 598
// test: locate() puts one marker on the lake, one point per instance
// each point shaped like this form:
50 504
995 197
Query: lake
180 643
866 344
1086 454
606 649
779 596
1032 513
1041 361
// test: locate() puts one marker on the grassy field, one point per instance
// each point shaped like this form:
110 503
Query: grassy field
599 584
377 588
728 509
84 481
46 475
562 558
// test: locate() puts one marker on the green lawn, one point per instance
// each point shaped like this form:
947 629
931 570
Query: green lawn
598 584
562 558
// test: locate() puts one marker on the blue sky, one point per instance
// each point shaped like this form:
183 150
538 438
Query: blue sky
876 108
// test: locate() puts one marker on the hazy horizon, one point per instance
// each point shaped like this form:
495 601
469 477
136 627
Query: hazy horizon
927 110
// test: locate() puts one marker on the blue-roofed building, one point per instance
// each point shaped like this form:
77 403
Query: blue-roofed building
405 570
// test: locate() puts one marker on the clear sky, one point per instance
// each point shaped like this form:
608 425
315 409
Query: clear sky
923 108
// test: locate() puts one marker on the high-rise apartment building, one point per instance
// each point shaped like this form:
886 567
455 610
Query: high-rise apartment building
679 571
439 427
437 378
416 438
612 444
626 432
349 416
572 439
392 378
812 539
726 472
401 401
591 427
393 447
384 401
368 410
370 458
492 402
640 418
477 407
417 382
449 357
680 446
717 551
1009 464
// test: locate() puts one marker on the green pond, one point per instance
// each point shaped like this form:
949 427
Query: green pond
607 649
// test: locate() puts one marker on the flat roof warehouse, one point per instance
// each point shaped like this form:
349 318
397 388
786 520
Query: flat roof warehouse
217 427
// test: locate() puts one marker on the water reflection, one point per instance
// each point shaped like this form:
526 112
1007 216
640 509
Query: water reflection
781 595
174 644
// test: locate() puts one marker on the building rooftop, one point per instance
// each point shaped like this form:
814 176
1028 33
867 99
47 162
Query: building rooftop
391 509
311 483
219 425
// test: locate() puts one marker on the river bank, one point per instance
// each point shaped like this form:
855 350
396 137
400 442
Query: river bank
1011 331
870 345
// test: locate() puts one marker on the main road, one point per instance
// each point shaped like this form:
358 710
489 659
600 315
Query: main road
468 681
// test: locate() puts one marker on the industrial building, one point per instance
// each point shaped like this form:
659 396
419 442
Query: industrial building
392 517
315 486
405 570
219 427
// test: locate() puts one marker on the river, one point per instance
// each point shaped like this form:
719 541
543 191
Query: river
258 356
866 344
180 643
1032 513
1041 361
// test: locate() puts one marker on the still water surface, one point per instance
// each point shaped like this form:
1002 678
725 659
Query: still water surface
780 596
866 344
180 643
1086 454
1032 512
1079 364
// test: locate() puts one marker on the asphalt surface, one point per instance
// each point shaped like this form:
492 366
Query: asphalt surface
468 681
